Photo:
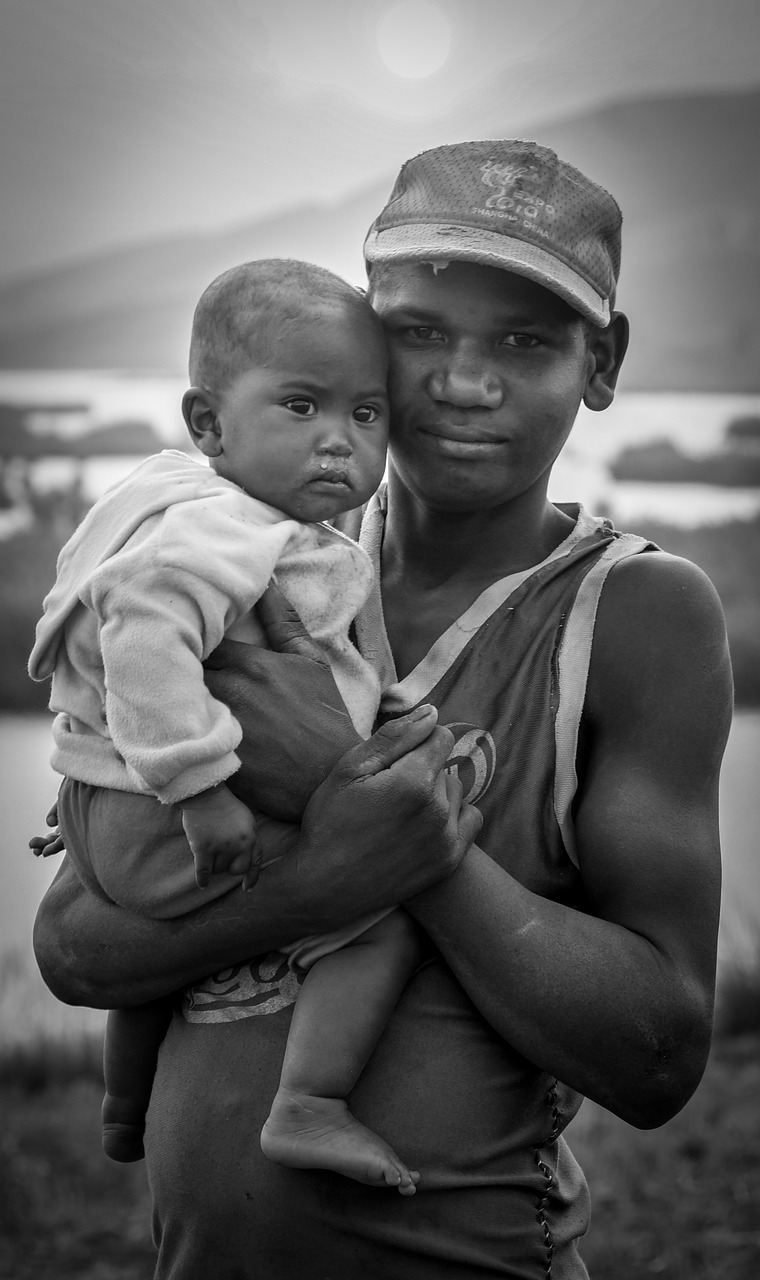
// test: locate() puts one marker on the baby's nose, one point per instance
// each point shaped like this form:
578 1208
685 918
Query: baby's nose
335 444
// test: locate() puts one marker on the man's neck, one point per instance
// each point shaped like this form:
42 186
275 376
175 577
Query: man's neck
430 545
436 563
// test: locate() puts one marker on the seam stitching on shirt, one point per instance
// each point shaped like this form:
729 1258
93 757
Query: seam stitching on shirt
549 1181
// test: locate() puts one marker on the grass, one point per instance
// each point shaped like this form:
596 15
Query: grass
679 1203
66 1211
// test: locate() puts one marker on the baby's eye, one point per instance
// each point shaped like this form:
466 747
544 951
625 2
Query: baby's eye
367 413
301 405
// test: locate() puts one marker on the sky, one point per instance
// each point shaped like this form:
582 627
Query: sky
123 121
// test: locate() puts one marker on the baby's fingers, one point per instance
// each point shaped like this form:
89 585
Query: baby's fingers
47 846
204 867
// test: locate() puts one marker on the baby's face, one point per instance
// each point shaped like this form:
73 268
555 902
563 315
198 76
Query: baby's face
307 431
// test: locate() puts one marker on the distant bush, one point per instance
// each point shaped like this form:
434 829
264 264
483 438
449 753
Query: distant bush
744 430
45 1061
737 1005
27 571
662 462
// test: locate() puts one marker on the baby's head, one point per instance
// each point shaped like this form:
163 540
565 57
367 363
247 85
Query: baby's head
288 364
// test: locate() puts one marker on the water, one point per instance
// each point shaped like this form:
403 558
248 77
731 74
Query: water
694 423
28 787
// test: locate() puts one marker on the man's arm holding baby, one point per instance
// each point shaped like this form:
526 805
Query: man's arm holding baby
384 824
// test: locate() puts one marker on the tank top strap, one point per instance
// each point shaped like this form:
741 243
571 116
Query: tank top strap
573 662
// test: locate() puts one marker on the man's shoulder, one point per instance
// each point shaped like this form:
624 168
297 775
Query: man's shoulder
660 631
661 582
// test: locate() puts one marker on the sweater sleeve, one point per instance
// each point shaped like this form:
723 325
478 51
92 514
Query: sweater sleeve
163 604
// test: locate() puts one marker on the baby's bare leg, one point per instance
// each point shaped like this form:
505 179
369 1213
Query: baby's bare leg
341 1012
133 1039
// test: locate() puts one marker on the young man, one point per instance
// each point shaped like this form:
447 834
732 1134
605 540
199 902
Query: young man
585 683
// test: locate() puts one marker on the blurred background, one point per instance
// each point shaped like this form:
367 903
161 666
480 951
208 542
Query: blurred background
145 147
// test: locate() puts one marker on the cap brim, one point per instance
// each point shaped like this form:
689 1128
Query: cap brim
431 242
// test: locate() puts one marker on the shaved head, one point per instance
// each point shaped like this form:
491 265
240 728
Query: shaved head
242 314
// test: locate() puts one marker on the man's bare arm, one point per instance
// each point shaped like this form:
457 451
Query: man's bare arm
385 823
618 1003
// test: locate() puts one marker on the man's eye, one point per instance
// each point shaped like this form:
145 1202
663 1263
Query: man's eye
301 405
424 333
524 340
367 413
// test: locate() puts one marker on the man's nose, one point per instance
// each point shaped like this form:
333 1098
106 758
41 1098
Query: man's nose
466 380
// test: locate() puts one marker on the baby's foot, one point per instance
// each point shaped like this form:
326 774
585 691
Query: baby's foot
320 1133
123 1126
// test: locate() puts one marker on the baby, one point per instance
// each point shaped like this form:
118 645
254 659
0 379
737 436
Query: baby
288 365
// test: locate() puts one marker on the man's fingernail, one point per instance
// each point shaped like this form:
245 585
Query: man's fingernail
420 713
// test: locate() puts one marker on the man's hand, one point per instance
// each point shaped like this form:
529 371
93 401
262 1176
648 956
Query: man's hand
294 721
221 832
390 813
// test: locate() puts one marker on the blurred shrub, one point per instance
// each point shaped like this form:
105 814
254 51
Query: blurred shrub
737 1003
46 1060
27 571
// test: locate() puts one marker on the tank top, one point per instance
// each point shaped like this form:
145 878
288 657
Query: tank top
500 1195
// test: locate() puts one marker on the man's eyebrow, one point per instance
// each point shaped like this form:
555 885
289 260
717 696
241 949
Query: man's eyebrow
506 320
412 312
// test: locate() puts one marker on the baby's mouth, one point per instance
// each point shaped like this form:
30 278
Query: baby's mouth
331 474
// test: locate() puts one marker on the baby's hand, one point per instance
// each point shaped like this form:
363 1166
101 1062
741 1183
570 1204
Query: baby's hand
221 832
48 845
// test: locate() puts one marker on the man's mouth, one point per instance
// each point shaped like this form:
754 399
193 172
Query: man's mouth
458 442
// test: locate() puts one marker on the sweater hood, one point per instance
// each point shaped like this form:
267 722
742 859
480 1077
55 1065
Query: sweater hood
159 482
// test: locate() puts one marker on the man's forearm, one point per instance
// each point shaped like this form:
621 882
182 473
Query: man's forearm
385 825
585 999
92 952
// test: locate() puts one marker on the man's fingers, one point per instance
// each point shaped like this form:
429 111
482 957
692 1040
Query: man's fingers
467 818
395 739
470 823
250 877
453 792
284 629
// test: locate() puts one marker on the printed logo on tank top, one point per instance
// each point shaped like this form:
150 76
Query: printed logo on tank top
268 984
472 759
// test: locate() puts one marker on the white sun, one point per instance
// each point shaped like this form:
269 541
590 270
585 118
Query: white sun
413 39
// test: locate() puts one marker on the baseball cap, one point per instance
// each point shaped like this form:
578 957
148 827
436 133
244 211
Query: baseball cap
507 204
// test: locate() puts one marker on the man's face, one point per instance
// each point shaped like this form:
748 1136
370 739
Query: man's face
487 371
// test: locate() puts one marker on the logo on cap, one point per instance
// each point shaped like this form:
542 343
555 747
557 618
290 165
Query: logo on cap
503 176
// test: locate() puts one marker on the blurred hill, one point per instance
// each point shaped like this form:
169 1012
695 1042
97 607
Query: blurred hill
684 171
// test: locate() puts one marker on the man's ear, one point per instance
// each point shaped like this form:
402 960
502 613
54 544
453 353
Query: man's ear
607 348
199 412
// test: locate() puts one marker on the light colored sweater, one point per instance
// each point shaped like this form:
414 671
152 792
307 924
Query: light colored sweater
166 564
